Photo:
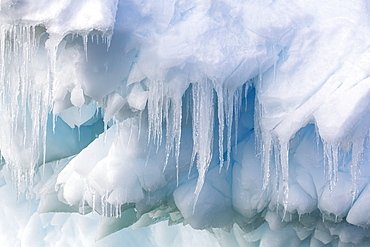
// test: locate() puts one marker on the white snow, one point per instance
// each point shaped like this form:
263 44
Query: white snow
247 120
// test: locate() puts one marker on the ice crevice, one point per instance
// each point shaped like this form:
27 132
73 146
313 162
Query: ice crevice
250 120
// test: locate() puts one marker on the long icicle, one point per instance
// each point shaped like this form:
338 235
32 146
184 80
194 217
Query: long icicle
203 115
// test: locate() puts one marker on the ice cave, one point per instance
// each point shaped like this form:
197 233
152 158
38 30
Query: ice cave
176 123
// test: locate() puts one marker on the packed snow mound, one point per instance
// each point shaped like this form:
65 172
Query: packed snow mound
249 119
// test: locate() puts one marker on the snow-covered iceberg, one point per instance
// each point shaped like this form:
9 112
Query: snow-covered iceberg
248 120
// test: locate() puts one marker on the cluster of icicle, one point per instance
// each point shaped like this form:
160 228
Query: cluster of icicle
27 99
28 82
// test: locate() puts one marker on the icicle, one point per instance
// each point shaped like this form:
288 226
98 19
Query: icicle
194 131
177 139
237 106
108 39
173 134
229 123
246 89
221 123
203 114
358 147
266 158
331 164
169 130
277 161
155 111
228 113
284 161
54 122
263 143
85 41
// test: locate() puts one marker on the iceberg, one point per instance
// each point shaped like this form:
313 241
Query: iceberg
184 123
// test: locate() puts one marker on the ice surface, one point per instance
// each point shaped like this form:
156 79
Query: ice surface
248 120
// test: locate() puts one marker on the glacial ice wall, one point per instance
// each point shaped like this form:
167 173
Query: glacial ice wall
249 119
